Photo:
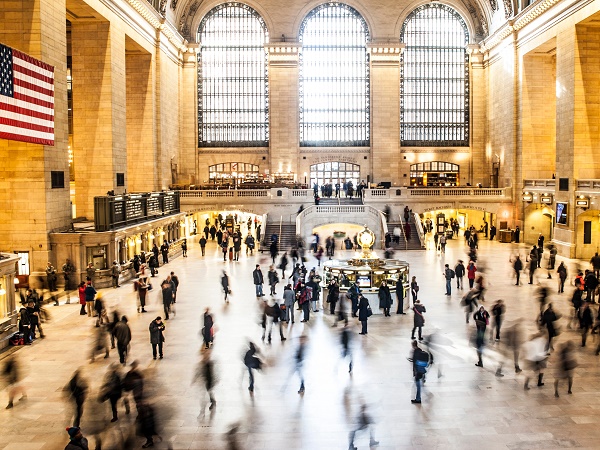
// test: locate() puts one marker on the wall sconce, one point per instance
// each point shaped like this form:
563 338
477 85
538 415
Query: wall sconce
138 241
582 202
131 243
151 236
527 197
2 290
546 199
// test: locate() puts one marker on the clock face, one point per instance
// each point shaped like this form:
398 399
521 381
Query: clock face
366 239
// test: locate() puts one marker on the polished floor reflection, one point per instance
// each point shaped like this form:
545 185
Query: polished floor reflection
465 407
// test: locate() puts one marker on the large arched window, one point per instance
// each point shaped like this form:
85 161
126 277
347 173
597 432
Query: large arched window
435 78
334 78
233 108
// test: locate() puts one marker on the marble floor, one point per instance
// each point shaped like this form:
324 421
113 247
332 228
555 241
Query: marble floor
467 407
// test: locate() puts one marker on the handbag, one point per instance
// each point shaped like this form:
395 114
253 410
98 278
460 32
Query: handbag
369 310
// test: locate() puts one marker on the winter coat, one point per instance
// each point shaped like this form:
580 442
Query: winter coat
78 444
156 332
122 333
459 270
419 320
471 269
385 298
258 277
363 306
288 298
90 293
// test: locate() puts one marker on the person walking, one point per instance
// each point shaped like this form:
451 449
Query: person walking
167 296
459 271
157 338
206 372
567 364
333 294
420 361
252 362
225 286
363 422
498 314
517 267
562 277
385 298
13 375
448 275
471 269
533 263
273 279
443 243
414 289
418 319
345 341
259 280
283 263
81 291
353 294
548 318
586 321
288 300
122 334
77 390
202 243
400 294
481 318
364 311
143 285
304 299
112 390
207 329
299 360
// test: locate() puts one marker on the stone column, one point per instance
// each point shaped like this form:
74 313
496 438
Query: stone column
480 170
283 107
385 113
99 118
29 207
188 155
577 118
141 144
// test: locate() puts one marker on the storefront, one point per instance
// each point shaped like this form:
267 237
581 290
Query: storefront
434 174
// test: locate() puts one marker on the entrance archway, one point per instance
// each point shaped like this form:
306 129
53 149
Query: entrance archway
334 172
537 219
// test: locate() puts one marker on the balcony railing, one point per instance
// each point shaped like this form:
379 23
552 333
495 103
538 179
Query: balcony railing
539 185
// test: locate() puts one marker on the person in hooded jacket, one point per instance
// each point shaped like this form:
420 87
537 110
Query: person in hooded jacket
76 439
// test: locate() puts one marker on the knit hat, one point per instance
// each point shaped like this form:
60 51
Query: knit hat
73 431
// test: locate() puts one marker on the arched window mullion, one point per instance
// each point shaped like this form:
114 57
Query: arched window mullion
232 78
334 88
434 111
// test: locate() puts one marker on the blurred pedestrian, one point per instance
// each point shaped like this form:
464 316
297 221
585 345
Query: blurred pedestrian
566 366
167 296
363 422
77 389
299 361
481 318
421 360
146 424
122 334
562 277
156 336
100 344
133 382
498 314
517 267
13 375
548 318
586 321
252 362
112 389
99 307
345 340
207 328
399 288
536 359
225 286
206 374
333 294
471 269
459 270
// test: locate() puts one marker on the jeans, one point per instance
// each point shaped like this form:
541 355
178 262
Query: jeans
306 311
448 286
289 311
459 282
418 385
259 292
166 308
160 350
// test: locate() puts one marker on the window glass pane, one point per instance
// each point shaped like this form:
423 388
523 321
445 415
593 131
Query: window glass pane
232 78
434 78
334 77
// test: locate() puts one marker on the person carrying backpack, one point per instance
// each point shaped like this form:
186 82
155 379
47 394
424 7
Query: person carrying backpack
448 274
421 361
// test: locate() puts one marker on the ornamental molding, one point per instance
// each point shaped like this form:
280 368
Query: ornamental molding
519 22
508 9
435 150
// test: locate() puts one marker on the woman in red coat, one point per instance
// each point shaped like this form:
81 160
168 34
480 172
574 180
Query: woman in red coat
81 290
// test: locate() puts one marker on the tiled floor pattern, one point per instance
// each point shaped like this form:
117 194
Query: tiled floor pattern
466 408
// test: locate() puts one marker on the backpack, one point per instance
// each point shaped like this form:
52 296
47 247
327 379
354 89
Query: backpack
421 362
452 273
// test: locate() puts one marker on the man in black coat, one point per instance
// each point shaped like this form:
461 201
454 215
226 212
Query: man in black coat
167 296
259 280
419 319
156 336
363 312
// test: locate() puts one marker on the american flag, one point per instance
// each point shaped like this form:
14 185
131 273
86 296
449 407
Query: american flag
26 98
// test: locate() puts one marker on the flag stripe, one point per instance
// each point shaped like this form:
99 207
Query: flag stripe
33 101
32 87
47 139
25 112
27 99
26 125
35 64
24 72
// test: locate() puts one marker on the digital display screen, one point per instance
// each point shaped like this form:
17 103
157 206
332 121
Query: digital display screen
363 281
561 213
